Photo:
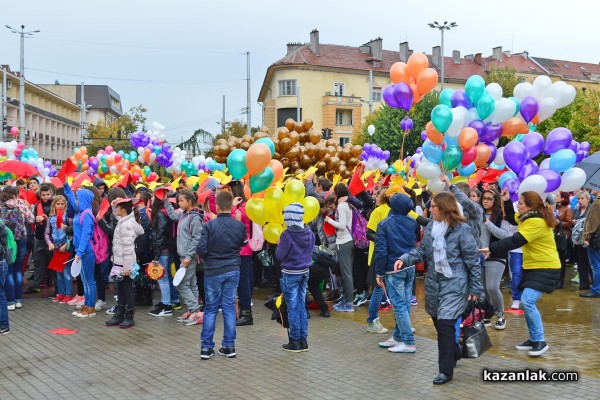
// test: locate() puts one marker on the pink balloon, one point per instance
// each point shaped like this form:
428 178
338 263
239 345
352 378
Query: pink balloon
14 130
108 149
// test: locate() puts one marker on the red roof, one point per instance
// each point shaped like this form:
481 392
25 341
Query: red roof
569 69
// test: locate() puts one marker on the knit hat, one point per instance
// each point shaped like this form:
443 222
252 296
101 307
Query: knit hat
212 184
293 215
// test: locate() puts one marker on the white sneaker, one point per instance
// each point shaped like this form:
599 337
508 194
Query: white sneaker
18 305
389 343
403 348
516 304
376 327
11 307
100 305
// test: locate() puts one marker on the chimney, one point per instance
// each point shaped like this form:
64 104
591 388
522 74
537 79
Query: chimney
373 47
470 57
291 47
314 42
436 56
497 53
404 52
456 56
507 53
478 59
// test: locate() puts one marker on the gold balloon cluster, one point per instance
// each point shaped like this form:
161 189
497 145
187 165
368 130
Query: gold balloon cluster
298 147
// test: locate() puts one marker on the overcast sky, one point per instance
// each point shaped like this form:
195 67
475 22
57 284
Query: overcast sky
179 57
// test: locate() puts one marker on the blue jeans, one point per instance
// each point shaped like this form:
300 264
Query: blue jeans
64 280
293 288
515 262
594 256
376 297
246 283
399 289
3 305
533 318
220 293
168 293
88 260
14 277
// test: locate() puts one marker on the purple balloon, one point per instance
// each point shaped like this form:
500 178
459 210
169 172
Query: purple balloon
515 156
406 124
388 96
580 155
404 95
53 173
512 185
534 143
459 98
493 151
558 139
552 178
529 168
478 125
574 146
529 108
386 155
419 150
585 146
490 133
423 135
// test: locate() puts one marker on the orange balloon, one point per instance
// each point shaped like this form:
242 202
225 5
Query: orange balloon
514 126
110 161
258 158
399 72
467 138
427 80
536 119
84 158
84 167
413 87
124 171
417 62
433 134
77 155
418 98
258 195
277 168
483 154
247 192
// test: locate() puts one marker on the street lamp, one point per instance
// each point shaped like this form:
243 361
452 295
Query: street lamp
443 27
22 80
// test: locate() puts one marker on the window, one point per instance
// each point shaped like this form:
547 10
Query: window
344 140
284 113
287 87
339 89
343 117
376 94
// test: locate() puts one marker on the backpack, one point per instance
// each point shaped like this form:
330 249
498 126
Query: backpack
257 240
359 229
324 256
99 240
577 232
11 246
171 242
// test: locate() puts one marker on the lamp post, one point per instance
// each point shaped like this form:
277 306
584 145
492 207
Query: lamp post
443 27
22 80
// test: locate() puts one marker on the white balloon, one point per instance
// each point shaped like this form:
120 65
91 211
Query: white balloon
547 108
494 90
499 160
458 123
429 170
541 85
371 130
436 185
545 164
566 96
572 179
505 109
523 90
533 183
472 115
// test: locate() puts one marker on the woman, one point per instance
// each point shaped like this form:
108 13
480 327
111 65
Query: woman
580 254
541 264
475 195
591 226
453 278
494 228
564 223
345 245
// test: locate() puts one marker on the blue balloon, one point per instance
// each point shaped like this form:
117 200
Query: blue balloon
432 152
562 160
269 144
506 176
466 170
451 141
236 163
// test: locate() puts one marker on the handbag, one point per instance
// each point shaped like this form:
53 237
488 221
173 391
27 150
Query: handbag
595 240
561 240
474 337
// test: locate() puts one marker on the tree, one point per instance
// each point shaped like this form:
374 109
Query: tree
105 133
236 129
506 77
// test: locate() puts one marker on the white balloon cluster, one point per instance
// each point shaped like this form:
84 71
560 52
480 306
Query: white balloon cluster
178 158
550 96
157 132
10 147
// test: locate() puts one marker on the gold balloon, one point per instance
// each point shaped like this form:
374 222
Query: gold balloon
247 138
356 151
285 162
331 142
315 137
293 153
322 150
294 137
352 162
285 145
308 124
260 135
276 156
331 150
321 167
283 133
290 124
245 146
305 162
312 150
348 146
345 154
294 165
334 162
298 127
221 141
303 137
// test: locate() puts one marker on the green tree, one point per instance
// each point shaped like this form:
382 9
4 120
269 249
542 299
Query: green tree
506 77
236 129
103 133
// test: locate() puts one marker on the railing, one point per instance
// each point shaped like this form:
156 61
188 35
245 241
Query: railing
344 129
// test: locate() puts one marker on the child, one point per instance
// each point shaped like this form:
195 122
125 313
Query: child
56 239
4 260
295 254
127 230
220 244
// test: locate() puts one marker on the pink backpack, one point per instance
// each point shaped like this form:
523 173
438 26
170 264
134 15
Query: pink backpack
99 239
257 240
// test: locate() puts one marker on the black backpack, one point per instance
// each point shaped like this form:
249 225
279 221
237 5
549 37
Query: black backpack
324 256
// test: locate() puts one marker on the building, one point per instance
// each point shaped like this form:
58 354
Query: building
331 83
52 123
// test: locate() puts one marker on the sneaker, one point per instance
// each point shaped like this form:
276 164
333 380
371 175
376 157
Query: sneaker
389 343
575 279
516 304
343 307
100 305
538 349
228 352
325 314
339 299
500 323
162 310
526 345
66 300
402 348
11 307
205 354
58 298
184 317
359 299
74 300
413 301
87 312
4 331
292 346
385 305
18 304
195 319
111 311
376 327
80 302
591 294
487 322
31 291
176 306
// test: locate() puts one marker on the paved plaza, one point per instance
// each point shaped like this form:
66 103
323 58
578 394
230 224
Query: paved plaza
159 358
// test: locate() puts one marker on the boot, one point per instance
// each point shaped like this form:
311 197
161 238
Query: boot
128 321
293 346
303 345
118 317
245 318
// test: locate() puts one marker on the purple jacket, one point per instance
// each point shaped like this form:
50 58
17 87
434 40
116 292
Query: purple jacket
295 250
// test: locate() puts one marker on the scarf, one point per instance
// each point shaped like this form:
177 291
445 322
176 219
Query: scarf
439 248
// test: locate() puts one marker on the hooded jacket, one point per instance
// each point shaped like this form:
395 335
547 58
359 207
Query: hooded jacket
295 250
83 228
127 230
396 235
188 229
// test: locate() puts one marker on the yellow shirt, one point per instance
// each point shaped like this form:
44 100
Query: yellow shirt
540 251
378 215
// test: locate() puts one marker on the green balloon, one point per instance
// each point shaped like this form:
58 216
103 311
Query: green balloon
236 164
269 144
451 157
441 117
517 103
485 106
446 97
475 88
262 180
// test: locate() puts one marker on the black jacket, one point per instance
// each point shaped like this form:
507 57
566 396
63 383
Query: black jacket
543 279
161 231
40 228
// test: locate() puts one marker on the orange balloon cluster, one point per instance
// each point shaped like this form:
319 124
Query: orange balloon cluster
416 74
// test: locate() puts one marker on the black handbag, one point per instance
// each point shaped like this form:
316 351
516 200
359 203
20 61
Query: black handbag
474 337
561 240
595 240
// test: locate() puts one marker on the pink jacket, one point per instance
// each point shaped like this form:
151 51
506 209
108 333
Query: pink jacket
246 250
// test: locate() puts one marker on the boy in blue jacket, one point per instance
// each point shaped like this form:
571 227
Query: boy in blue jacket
295 254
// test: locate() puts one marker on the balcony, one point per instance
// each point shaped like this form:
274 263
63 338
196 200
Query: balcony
348 101
344 129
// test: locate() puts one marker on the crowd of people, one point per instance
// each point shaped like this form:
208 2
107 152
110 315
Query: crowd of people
465 241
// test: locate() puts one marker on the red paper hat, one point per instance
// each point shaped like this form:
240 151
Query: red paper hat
203 196
159 192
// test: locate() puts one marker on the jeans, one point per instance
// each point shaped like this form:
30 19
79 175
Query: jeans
64 280
594 256
14 278
188 287
399 288
220 293
246 283
3 305
168 294
533 318
293 288
376 297
516 268
88 260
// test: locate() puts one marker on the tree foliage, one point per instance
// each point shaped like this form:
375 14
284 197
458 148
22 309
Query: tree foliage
103 133
236 129
506 77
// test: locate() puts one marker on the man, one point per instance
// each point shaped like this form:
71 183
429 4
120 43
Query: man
41 254
182 185
317 187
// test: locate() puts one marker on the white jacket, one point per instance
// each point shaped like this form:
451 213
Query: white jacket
126 231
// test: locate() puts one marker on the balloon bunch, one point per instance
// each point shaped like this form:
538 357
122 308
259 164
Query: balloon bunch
207 164
373 157
540 100
30 156
256 165
412 81
12 150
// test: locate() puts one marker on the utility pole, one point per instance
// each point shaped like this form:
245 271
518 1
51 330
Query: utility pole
370 91
223 117
298 104
4 110
22 80
249 115
83 110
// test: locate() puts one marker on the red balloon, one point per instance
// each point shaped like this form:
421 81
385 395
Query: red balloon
469 156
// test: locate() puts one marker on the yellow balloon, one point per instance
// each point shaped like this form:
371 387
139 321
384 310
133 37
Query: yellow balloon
294 192
255 210
272 232
311 208
274 200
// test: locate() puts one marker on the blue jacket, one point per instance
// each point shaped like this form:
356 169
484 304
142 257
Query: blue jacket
295 250
82 232
220 244
395 235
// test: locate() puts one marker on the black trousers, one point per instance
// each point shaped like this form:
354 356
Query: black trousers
448 350
41 258
583 266
126 293
316 274
360 267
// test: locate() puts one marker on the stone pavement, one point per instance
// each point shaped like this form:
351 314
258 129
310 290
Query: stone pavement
159 358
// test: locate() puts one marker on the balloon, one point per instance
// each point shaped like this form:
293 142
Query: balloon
562 160
506 176
515 155
311 208
277 168
272 232
533 183
269 144
274 198
529 168
236 164
388 96
523 90
258 158
534 143
559 138
572 179
483 154
499 160
294 192
459 98
564 95
406 124
467 138
467 170
517 105
404 95
545 164
433 134
504 110
436 185
585 146
14 130
417 62
429 170
446 97
529 108
469 156
441 117
494 90
490 133
547 108
451 157
541 86
399 72
478 125
261 180
371 130
512 185
432 152
427 80
458 122
514 126
485 105
553 179
475 88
